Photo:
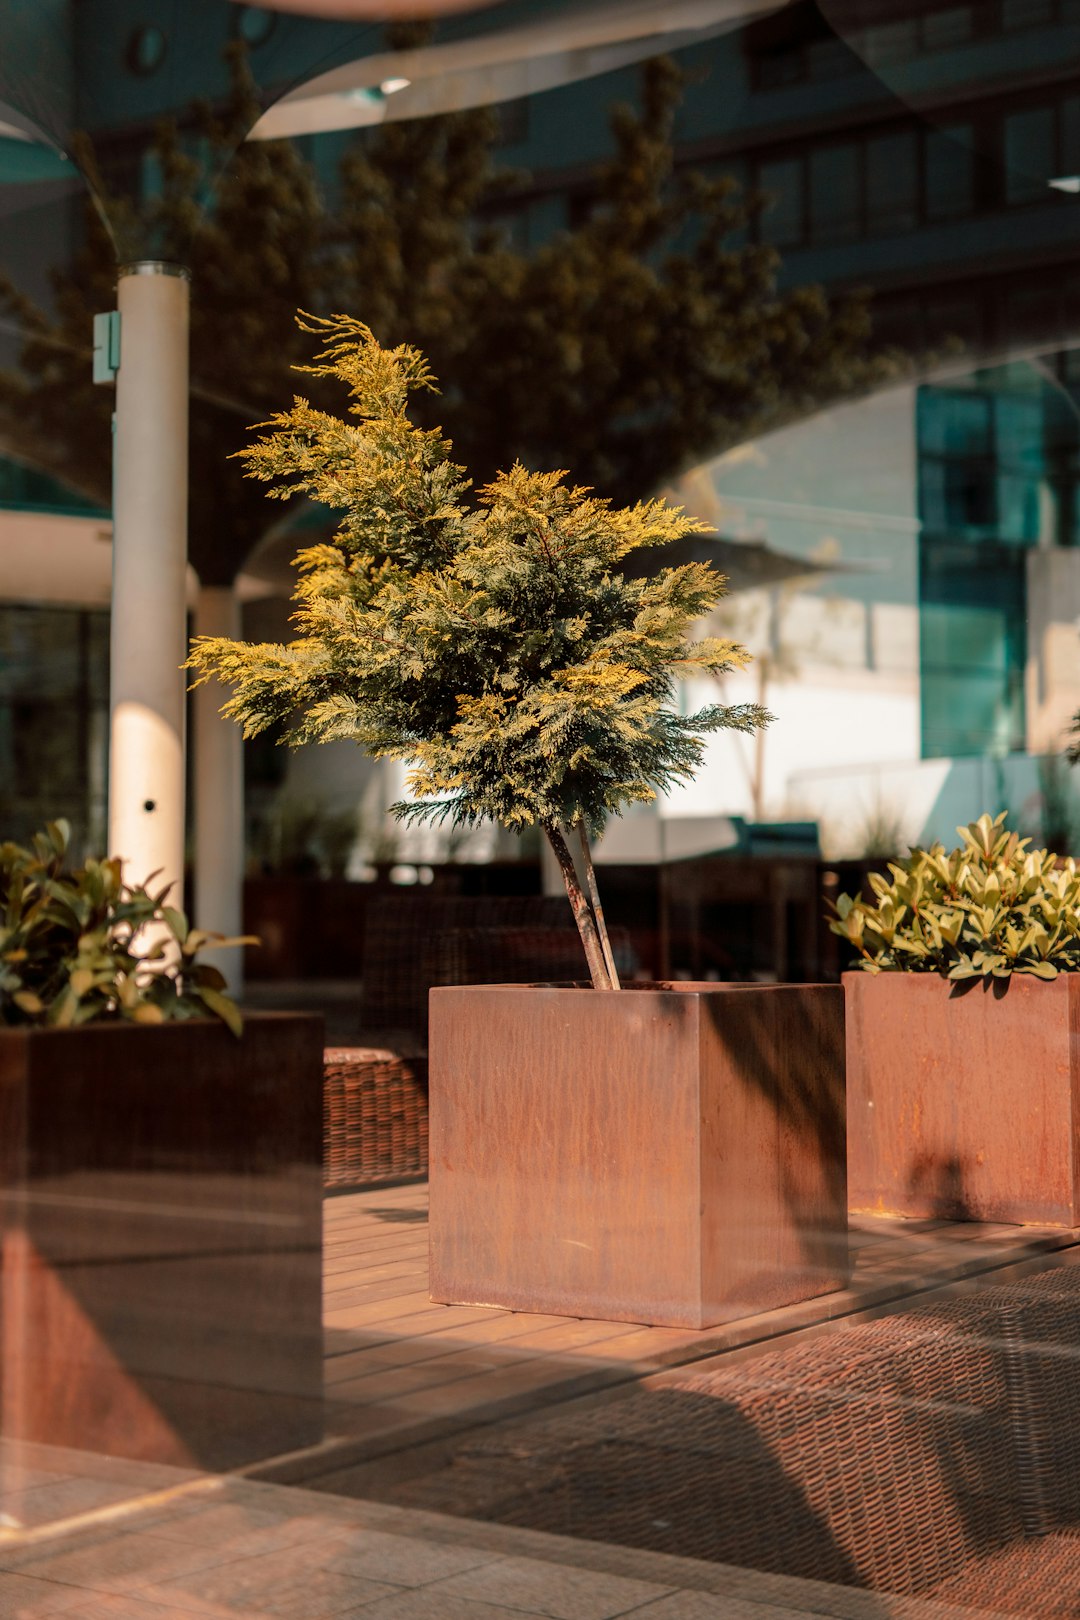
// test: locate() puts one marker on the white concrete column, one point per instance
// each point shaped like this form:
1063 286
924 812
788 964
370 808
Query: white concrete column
148 637
218 772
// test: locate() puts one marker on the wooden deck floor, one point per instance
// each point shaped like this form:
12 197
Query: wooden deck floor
402 1373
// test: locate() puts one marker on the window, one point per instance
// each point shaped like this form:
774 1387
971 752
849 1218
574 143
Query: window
1026 13
982 462
776 69
146 50
941 30
255 24
834 194
1030 156
950 172
1068 156
889 43
972 649
54 683
892 182
829 59
782 222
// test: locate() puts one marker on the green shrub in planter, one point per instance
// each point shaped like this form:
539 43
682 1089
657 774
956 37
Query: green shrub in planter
991 908
80 944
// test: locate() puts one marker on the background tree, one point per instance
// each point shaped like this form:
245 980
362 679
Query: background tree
648 337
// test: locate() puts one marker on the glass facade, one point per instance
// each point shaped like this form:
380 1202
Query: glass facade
54 682
998 462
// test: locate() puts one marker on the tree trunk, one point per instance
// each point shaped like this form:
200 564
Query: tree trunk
597 908
583 916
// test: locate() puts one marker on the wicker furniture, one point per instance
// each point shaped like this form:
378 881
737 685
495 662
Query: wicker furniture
933 1453
375 1118
375 1097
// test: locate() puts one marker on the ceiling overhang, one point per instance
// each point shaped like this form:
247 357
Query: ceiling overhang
501 64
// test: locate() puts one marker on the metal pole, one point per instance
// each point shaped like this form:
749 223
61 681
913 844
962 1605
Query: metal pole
218 781
149 616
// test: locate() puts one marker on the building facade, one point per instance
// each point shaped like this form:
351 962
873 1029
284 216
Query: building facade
927 665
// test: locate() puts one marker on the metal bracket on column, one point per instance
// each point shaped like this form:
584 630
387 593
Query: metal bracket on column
106 346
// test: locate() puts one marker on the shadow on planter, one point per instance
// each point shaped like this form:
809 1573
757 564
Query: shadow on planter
161 1208
787 1043
671 1155
964 1106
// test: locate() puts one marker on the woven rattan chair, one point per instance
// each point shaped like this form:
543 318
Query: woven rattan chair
375 1097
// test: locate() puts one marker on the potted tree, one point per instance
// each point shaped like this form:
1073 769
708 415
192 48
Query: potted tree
962 1012
671 1154
160 1182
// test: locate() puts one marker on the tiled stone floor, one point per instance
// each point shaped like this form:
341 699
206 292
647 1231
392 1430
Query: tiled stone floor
182 1545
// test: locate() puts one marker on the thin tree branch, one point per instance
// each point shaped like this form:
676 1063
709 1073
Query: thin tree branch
597 908
582 914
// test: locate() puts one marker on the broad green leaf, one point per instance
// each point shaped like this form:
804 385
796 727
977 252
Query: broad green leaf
225 1008
177 922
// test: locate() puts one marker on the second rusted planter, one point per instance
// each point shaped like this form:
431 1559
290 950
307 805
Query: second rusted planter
964 1102
671 1155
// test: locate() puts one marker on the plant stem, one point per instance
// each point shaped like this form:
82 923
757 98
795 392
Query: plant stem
582 914
597 908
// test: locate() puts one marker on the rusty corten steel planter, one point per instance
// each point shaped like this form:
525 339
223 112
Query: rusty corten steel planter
671 1155
964 1106
161 1239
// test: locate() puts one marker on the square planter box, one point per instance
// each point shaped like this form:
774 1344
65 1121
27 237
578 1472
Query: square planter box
964 1107
672 1155
160 1213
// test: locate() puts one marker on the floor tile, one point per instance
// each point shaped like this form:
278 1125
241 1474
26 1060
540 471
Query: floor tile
25 1597
114 1563
402 1560
564 1594
707 1606
292 1584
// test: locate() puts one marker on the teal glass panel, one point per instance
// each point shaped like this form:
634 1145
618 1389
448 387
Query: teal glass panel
973 648
1018 429
1017 509
955 422
958 497
22 161
26 489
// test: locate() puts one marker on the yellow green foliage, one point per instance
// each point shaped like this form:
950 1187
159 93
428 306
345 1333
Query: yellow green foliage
491 640
991 908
